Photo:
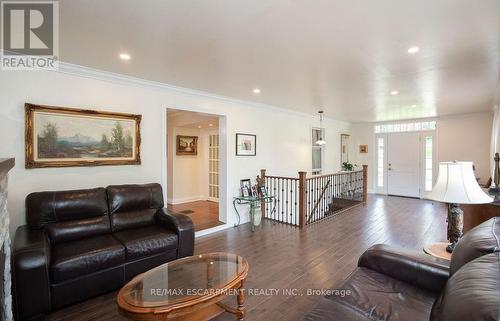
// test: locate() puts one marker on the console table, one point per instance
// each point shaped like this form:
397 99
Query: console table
254 202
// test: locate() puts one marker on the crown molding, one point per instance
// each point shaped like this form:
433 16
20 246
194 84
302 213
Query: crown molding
116 78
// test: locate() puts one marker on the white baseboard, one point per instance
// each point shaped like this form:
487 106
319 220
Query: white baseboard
213 230
182 200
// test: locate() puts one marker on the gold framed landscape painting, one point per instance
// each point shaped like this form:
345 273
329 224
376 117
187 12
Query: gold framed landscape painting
63 137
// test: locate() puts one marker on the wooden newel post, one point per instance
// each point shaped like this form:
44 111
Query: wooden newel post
365 183
302 198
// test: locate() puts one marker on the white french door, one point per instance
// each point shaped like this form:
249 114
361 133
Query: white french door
213 167
406 163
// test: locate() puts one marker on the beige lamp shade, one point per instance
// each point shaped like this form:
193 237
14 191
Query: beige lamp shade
456 183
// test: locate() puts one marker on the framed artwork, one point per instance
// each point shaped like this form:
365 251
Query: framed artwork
187 145
245 192
263 191
246 145
246 187
344 148
63 137
363 149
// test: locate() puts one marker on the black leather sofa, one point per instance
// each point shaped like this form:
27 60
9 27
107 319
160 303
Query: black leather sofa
398 285
82 243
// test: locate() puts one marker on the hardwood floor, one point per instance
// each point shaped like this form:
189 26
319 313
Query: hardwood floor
319 256
205 214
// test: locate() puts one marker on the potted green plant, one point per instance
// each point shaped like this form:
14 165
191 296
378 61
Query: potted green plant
348 167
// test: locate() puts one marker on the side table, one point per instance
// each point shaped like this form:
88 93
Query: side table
254 202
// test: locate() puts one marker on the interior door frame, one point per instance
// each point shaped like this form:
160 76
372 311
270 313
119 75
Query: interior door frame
422 134
223 156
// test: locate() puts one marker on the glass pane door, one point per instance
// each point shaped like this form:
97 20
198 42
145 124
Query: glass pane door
213 167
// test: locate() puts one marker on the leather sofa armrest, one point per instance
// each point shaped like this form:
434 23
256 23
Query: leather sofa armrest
415 268
30 273
184 227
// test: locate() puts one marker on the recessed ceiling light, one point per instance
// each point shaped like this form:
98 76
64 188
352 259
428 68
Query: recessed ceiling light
124 56
199 126
413 50
394 92
256 91
413 106
210 125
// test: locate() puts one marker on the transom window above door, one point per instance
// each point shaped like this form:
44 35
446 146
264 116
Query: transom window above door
406 127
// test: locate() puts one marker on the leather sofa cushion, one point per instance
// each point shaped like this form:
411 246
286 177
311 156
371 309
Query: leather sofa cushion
330 310
133 206
133 219
375 296
130 197
481 240
143 242
78 229
74 259
472 293
44 208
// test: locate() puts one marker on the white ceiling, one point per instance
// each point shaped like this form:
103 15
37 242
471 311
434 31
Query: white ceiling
344 56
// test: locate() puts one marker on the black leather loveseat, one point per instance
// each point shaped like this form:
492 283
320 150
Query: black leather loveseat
399 285
82 243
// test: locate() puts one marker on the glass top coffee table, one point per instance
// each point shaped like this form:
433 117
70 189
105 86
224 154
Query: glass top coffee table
186 289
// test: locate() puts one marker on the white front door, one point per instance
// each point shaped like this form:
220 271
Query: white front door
403 164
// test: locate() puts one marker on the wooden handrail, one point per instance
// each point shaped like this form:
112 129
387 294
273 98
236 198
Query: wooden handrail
334 174
283 177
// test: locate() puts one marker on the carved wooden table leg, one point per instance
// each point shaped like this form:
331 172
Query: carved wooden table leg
241 302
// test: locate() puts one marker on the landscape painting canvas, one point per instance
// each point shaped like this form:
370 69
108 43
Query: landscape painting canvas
58 137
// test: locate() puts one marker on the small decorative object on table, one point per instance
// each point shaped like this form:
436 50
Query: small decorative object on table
455 185
246 187
263 191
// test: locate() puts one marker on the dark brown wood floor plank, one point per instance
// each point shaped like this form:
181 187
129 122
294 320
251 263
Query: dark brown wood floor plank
319 256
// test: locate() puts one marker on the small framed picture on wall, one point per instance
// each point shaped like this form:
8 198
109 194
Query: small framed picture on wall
246 145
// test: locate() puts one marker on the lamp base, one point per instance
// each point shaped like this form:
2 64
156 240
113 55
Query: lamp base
438 250
451 247
455 225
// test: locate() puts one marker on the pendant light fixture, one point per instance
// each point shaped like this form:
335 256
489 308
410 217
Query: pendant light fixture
320 141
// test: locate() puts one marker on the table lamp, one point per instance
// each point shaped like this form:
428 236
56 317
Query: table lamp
456 184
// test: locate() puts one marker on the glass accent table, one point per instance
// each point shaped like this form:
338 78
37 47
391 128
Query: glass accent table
191 288
254 202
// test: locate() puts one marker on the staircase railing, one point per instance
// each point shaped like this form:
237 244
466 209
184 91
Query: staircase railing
305 200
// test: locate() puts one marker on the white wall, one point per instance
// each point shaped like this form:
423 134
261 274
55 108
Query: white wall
467 138
185 170
461 137
283 138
